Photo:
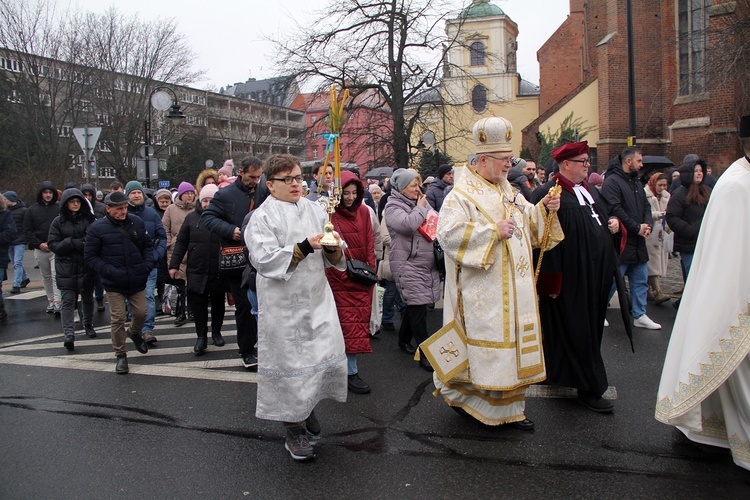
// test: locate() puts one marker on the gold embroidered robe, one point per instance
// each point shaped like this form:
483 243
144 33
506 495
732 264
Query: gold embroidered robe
499 312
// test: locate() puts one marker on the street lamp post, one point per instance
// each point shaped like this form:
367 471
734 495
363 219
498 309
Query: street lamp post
161 98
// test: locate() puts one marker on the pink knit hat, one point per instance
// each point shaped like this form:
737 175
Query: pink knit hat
208 191
227 170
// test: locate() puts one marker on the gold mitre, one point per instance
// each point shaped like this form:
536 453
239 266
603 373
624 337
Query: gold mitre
493 135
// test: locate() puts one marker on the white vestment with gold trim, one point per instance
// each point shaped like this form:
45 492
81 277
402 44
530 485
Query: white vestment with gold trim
705 384
499 312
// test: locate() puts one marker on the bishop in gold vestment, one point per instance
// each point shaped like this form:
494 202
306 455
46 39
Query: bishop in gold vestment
487 230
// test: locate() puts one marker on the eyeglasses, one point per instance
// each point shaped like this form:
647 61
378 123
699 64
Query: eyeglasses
288 179
504 160
586 161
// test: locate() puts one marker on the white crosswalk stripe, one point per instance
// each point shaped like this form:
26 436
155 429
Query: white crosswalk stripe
171 356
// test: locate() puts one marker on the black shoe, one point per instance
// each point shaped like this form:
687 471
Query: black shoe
424 363
250 361
15 289
69 342
25 283
140 344
90 332
121 367
200 346
180 320
460 411
388 327
523 425
218 340
594 403
407 347
100 305
357 385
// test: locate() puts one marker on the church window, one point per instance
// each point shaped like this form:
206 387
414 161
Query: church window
692 45
476 51
479 98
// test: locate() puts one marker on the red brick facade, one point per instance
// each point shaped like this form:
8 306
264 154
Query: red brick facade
666 123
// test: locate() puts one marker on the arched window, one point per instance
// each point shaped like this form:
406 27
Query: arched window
479 98
476 51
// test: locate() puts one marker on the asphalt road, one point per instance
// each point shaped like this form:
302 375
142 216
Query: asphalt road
184 427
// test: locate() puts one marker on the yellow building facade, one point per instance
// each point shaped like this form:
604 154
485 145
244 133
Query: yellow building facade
480 80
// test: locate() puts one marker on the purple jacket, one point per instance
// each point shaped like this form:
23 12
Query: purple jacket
412 257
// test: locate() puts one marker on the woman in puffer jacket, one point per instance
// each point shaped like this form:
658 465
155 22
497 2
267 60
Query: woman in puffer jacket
353 300
204 282
172 220
412 257
67 234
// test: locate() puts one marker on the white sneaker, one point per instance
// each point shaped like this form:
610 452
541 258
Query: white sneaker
606 323
646 322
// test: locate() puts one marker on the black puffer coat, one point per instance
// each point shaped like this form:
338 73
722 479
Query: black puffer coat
627 201
122 261
682 217
67 235
19 211
39 216
202 248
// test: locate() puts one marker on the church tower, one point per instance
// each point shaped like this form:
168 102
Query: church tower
480 75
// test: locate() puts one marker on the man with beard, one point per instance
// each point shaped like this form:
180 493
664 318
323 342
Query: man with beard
224 216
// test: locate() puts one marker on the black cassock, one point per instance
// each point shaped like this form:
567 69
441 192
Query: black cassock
581 269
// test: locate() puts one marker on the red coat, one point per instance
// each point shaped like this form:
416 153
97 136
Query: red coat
353 300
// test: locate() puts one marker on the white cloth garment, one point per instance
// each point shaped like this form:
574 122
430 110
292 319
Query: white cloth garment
705 384
301 356
500 312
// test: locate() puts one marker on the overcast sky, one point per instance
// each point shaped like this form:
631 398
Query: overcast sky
227 36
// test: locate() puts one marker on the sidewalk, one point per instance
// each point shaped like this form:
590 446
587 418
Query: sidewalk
29 264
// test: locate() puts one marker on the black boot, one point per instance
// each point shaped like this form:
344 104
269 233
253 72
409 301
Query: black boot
218 339
200 346
121 367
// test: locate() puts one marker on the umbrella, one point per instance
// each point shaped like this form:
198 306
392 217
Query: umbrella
656 162
653 164
379 173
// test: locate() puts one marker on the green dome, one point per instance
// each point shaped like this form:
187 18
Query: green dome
481 8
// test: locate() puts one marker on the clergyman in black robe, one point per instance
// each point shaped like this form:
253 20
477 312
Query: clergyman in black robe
575 280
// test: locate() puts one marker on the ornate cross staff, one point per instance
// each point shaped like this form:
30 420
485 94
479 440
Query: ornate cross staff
554 190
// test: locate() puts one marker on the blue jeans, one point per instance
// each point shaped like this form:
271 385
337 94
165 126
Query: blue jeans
638 280
686 260
391 300
148 325
351 364
15 252
253 299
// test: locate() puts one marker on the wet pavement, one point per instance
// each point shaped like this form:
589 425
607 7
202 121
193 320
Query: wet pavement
181 426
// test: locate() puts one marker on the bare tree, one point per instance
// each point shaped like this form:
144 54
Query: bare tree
66 76
386 45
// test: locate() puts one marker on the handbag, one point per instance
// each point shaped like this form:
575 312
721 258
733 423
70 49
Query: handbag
232 259
361 272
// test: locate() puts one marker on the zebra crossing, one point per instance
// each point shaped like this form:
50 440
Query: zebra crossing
171 356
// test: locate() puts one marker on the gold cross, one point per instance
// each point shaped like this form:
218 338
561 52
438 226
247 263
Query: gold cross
522 266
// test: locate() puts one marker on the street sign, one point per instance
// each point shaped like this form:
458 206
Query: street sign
140 169
146 151
163 184
87 138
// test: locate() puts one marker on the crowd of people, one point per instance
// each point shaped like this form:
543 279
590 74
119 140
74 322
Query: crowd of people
526 260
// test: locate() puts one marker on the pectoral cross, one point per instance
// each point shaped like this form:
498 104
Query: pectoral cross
595 215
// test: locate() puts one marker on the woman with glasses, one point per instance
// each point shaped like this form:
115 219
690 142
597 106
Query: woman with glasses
412 258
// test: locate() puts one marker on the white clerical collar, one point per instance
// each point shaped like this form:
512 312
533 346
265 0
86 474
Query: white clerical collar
583 193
